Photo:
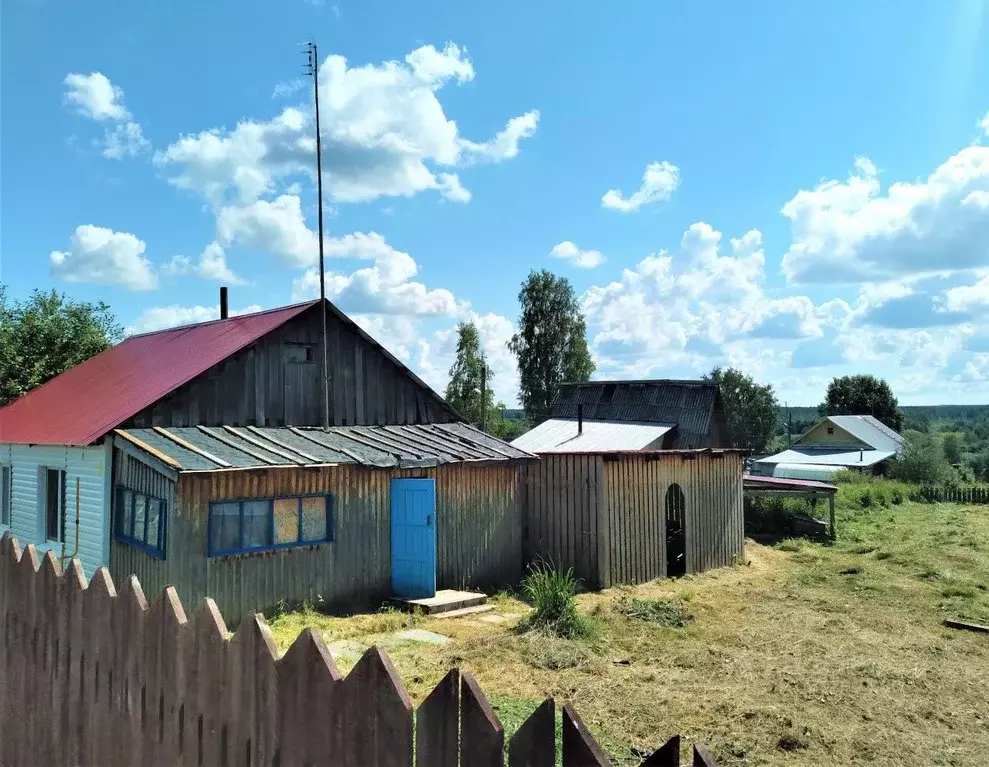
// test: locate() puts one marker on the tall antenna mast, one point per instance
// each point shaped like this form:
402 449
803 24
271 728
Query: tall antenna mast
312 70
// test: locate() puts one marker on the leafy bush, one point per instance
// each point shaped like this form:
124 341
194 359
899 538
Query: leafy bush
664 612
866 499
897 498
552 596
924 462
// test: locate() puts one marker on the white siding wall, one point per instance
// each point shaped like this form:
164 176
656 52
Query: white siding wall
89 465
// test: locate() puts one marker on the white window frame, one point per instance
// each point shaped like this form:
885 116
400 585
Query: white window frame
6 495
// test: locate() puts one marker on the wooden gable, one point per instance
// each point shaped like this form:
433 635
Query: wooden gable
276 382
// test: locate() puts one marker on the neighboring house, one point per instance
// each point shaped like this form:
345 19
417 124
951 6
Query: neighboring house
635 481
202 449
630 415
839 442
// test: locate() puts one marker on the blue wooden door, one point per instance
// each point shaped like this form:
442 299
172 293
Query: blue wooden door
413 538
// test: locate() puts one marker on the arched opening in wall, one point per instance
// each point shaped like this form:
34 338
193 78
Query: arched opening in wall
676 532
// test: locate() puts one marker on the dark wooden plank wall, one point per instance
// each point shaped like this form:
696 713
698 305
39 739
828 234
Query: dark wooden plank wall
604 516
260 386
637 485
478 520
560 505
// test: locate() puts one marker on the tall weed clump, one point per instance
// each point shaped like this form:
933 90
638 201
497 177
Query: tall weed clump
552 594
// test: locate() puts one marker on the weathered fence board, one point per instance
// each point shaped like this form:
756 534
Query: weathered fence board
96 677
972 495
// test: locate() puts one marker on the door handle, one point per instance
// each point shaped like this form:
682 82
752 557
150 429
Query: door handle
429 520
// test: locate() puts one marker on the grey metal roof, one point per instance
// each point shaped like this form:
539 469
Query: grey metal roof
869 430
836 456
688 404
560 435
213 448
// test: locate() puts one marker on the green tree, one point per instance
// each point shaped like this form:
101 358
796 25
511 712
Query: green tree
550 343
45 335
952 444
468 374
923 461
750 408
862 395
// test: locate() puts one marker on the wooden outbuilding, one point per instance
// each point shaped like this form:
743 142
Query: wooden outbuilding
635 482
197 456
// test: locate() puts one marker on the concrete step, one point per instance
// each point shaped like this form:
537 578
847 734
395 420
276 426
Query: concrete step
445 600
462 612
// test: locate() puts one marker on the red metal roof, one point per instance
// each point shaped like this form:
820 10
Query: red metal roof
85 402
781 483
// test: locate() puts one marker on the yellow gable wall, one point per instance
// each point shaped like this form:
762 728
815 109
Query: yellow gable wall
819 436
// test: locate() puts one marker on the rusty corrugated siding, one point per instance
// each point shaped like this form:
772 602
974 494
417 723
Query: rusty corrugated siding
604 515
561 500
478 521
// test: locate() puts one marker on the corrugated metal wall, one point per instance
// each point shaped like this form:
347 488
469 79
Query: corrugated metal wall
478 521
637 485
604 515
126 560
88 465
561 497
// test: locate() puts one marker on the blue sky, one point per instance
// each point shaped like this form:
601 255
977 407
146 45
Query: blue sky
798 190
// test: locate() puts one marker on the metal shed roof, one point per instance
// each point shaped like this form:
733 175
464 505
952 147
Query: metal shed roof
838 456
86 401
560 435
215 448
869 430
688 404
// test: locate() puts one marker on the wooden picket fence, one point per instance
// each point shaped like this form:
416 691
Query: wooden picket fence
974 494
92 677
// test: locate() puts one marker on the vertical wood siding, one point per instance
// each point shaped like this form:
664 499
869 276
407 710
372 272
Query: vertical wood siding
259 386
561 501
605 516
125 559
478 520
87 464
712 487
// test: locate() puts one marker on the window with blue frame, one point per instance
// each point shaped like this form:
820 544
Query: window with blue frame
239 527
140 521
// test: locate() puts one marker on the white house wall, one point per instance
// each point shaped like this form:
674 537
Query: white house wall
87 464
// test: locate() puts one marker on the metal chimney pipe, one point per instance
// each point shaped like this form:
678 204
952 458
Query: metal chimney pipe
580 420
223 303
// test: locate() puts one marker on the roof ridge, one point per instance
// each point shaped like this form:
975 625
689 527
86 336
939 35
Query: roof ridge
191 325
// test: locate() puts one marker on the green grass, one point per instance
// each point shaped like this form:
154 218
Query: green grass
662 612
815 654
552 594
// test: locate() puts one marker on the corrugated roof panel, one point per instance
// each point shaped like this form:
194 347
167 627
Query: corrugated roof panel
688 404
86 401
837 457
559 435
364 445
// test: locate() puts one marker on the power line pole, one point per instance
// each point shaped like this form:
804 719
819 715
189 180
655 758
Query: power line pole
484 386
312 70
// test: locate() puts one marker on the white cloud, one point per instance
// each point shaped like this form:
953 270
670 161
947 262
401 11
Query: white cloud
95 96
105 257
162 317
968 297
125 140
659 182
582 259
853 232
984 124
212 265
277 227
385 133
283 90
386 287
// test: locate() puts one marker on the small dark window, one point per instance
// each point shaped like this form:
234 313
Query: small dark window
54 496
830 430
5 496
300 353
